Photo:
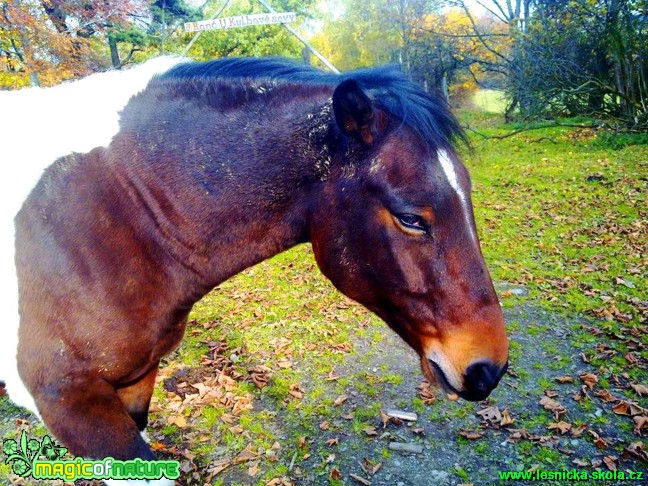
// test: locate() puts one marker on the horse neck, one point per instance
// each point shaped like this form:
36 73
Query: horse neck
236 190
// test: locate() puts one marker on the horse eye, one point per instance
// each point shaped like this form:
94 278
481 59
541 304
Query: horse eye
414 222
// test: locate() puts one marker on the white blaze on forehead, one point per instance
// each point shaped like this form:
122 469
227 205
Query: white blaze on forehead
38 126
448 167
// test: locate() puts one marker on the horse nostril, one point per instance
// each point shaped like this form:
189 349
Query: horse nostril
481 378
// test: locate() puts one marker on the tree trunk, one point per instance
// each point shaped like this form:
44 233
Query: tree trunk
444 87
114 52
33 78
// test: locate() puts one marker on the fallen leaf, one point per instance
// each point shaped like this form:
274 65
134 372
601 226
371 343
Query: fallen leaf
342 347
370 468
157 446
234 429
491 414
610 462
470 434
581 462
554 406
562 427
549 403
426 393
178 420
641 422
325 425
332 442
638 450
506 418
625 407
384 418
332 376
564 379
336 475
228 418
260 380
297 394
247 454
606 396
216 467
370 431
589 379
280 482
578 431
340 400
598 440
550 393
285 364
641 390
517 434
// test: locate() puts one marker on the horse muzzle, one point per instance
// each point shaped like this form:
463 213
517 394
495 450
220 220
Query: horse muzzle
479 380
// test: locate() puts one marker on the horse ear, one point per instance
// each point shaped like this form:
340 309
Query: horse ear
354 112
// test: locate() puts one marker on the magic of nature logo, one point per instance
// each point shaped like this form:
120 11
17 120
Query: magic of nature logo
43 459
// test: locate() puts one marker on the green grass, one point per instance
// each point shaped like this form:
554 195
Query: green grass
566 219
489 101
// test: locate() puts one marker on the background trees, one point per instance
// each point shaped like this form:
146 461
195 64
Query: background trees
587 58
550 57
51 40
576 57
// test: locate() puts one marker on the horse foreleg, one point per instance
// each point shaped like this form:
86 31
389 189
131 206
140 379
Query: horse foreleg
89 418
136 397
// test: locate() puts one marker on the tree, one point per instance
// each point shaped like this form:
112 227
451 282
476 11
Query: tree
445 51
372 32
577 57
594 63
52 40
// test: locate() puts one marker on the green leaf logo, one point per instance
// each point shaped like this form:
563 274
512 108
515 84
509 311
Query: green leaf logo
20 467
33 445
21 455
10 447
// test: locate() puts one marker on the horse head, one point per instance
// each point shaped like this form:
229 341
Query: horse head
394 230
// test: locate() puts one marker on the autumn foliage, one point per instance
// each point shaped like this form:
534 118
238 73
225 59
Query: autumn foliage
49 41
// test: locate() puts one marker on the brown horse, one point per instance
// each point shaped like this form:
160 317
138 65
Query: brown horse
219 166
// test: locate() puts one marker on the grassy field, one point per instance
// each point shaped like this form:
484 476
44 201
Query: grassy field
489 101
281 380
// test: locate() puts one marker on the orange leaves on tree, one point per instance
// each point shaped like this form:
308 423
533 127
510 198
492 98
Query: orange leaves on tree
54 43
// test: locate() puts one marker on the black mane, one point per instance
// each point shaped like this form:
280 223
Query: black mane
425 113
